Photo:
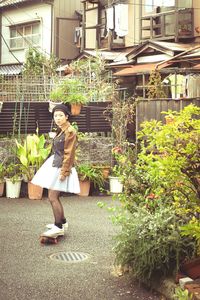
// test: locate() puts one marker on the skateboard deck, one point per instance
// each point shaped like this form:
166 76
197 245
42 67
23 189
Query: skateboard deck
49 240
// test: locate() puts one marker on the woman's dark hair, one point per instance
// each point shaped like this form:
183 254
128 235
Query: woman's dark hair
61 107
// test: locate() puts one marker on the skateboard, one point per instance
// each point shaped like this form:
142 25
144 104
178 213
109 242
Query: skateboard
49 240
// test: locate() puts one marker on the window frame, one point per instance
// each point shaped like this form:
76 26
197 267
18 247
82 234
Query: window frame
27 39
150 8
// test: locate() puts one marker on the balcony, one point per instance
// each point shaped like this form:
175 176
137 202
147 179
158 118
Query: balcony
171 25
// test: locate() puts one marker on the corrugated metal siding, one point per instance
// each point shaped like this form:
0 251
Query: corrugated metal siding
147 110
26 116
11 2
14 69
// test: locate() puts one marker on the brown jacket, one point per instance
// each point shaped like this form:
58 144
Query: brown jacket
64 146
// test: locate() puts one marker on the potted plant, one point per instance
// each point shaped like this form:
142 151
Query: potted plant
13 177
55 97
116 185
74 93
104 169
87 174
191 267
2 179
32 153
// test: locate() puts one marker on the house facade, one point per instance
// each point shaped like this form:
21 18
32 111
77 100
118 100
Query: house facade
150 32
111 24
47 25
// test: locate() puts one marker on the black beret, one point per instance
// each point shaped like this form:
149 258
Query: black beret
61 107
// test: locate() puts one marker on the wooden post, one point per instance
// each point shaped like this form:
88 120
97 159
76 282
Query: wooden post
83 26
176 34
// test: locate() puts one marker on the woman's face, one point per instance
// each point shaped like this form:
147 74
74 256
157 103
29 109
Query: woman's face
60 118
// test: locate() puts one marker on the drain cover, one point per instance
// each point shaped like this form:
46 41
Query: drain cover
69 257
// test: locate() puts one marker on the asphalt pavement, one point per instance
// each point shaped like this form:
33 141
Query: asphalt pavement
82 267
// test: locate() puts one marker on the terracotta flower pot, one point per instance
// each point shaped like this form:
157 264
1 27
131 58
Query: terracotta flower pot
192 268
84 188
75 109
34 191
106 172
2 184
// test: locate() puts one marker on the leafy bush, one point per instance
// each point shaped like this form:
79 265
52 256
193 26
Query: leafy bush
91 173
192 229
167 164
151 243
2 172
161 196
169 160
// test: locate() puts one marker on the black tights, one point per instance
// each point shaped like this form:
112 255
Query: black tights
57 207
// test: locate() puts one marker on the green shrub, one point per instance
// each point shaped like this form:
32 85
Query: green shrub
91 173
161 196
151 243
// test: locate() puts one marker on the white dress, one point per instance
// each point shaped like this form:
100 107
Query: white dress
48 177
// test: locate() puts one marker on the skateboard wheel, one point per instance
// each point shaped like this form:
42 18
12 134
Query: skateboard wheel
48 240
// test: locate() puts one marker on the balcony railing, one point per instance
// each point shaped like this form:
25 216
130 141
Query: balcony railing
171 25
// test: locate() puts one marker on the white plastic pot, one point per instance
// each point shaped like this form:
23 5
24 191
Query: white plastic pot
13 189
116 187
52 105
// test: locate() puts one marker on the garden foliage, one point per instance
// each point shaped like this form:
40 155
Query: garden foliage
161 194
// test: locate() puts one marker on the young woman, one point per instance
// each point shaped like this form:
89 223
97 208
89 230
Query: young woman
57 174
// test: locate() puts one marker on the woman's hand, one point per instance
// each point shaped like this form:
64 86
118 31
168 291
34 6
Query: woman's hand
62 177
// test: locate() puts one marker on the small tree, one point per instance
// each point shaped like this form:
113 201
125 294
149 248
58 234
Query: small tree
155 87
93 71
39 64
120 113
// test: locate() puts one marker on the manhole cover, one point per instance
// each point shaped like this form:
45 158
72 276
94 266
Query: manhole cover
69 257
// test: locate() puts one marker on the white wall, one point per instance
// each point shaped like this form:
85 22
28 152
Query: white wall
16 16
133 36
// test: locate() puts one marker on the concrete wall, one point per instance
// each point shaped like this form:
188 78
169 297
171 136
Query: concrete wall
96 150
6 146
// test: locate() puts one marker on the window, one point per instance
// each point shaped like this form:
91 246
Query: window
24 36
151 5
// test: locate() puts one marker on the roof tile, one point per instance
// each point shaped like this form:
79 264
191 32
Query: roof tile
4 3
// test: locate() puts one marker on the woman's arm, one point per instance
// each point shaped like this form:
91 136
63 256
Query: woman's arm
69 152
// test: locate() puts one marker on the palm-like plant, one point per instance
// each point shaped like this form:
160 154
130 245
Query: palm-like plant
32 153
